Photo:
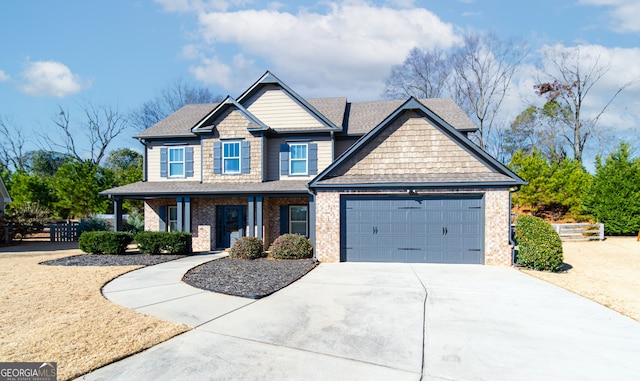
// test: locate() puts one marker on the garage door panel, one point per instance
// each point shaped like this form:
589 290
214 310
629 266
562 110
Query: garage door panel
447 229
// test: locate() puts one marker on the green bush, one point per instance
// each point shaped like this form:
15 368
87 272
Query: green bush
291 246
93 224
135 222
104 242
247 248
164 242
539 245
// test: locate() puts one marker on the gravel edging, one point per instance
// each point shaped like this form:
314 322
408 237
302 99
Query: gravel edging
254 279
112 260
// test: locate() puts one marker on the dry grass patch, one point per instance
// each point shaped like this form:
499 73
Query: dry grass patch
606 272
58 313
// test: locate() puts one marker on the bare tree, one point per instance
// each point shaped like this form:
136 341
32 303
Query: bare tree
476 75
484 67
102 125
570 79
423 74
12 146
168 101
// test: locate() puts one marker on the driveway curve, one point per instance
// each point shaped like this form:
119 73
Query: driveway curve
366 321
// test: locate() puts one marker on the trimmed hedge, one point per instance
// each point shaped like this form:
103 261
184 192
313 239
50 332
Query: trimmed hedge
164 242
291 246
247 248
539 245
99 242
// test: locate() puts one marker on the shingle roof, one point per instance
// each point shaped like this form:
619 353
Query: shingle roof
179 123
332 108
193 187
362 116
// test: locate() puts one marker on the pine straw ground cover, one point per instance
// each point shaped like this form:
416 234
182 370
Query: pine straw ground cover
58 313
606 272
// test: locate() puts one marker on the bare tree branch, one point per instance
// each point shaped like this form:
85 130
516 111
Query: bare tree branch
12 145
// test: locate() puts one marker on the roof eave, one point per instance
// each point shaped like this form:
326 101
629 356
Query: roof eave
419 185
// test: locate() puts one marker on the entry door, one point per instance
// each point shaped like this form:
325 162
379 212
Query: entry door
230 226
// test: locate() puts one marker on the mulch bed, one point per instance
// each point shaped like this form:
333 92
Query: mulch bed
112 260
247 278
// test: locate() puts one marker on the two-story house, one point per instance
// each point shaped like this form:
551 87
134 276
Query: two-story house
365 181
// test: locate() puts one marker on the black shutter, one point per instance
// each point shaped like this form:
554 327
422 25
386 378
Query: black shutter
162 213
284 159
284 219
246 157
164 163
188 154
313 159
217 157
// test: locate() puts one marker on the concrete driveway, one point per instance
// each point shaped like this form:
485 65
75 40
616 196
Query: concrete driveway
351 321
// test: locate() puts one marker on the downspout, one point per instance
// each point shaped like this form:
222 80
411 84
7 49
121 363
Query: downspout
512 242
144 160
312 221
333 143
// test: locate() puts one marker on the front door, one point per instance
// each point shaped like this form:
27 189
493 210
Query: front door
230 224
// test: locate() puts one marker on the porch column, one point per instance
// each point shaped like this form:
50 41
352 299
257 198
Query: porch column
117 212
251 217
312 222
180 211
187 214
259 215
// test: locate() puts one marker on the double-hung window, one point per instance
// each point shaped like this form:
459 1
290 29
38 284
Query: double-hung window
231 157
298 215
176 162
298 164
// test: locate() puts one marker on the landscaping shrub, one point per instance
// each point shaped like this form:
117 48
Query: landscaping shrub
291 246
135 222
247 248
93 224
539 245
164 242
110 242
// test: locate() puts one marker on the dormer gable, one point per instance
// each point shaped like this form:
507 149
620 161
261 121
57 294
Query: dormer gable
282 109
207 124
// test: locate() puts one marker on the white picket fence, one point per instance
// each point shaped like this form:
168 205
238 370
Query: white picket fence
580 232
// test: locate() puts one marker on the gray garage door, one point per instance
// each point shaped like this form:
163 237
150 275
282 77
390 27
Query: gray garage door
416 229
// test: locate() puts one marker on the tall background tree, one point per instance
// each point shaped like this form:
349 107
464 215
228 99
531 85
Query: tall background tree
478 75
569 77
168 101
614 196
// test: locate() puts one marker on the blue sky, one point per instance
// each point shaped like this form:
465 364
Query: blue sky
122 53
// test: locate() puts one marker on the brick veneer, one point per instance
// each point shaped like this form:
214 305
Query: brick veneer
497 250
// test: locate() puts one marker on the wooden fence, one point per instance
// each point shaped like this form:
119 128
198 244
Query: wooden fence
580 232
63 232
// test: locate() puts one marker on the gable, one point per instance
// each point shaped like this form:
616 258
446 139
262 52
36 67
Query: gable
412 145
281 112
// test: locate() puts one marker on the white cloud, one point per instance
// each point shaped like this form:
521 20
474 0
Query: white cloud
624 12
4 77
348 50
50 78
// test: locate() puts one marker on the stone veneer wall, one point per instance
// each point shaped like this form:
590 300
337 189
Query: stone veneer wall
203 217
497 249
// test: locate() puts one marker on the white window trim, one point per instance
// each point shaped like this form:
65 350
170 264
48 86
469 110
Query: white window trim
224 171
169 220
306 222
306 159
183 162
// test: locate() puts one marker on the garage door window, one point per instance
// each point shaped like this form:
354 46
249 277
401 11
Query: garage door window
298 219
